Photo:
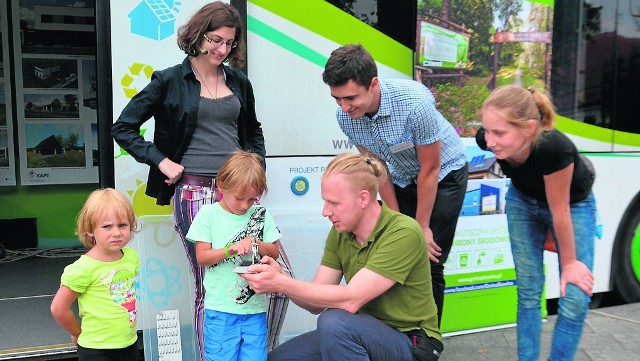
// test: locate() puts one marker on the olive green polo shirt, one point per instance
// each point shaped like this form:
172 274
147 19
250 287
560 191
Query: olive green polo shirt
396 249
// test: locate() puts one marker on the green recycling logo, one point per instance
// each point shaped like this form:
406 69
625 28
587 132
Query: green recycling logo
135 71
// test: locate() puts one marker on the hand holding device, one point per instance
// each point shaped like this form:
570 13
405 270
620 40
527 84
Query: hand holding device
255 259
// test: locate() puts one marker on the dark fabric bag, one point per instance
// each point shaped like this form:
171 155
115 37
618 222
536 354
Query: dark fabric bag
423 347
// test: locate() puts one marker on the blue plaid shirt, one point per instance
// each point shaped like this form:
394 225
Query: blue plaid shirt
407 116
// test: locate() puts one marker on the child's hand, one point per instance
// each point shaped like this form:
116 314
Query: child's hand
242 247
74 340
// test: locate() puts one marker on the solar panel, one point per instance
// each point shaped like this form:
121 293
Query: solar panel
477 160
161 9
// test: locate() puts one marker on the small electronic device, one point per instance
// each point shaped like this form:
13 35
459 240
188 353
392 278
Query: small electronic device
255 259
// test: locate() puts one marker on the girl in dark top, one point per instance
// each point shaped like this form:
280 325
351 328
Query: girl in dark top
203 110
550 190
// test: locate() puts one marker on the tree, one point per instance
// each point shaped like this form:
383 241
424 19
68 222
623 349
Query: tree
71 141
508 14
71 100
348 7
539 18
477 17
56 104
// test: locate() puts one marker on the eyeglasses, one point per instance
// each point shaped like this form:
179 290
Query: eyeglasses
218 42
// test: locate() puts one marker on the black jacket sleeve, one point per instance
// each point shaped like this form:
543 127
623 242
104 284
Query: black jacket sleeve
126 129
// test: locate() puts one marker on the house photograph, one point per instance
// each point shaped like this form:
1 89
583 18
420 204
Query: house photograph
55 145
49 73
57 105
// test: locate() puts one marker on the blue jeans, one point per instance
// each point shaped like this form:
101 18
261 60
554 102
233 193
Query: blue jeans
341 335
529 221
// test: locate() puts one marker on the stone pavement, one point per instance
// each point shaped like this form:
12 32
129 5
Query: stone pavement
610 334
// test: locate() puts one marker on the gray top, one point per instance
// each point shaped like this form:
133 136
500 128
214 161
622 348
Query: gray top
215 136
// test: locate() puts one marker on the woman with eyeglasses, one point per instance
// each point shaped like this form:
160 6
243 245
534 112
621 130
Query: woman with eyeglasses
204 110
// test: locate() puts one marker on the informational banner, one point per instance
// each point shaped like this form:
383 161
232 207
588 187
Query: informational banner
480 270
7 163
441 47
56 91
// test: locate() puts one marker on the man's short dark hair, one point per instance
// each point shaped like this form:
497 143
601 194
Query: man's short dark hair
350 62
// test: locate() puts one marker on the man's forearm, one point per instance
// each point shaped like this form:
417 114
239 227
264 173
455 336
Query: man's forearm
313 309
426 190
315 297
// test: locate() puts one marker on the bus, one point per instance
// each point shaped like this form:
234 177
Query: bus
594 84
586 54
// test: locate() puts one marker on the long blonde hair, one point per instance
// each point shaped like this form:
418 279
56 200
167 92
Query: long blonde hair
516 105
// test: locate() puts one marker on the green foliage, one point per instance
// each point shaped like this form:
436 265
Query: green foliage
71 142
72 158
528 76
35 160
460 104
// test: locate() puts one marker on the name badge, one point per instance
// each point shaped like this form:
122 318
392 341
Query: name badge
401 146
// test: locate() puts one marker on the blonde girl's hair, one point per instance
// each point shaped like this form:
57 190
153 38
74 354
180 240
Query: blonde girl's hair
364 173
241 171
99 202
516 105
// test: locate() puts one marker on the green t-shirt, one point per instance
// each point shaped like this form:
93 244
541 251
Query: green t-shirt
225 290
106 299
396 249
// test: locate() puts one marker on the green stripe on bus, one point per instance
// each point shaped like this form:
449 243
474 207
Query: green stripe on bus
322 18
281 39
543 2
593 132
609 154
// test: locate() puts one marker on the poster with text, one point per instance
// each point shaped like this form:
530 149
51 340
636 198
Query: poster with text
480 269
56 98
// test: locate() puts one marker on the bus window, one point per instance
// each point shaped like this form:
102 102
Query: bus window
595 70
634 7
627 97
583 61
396 19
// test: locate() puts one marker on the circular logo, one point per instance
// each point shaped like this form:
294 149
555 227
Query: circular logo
299 185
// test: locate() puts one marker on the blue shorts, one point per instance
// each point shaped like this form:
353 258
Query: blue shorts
228 336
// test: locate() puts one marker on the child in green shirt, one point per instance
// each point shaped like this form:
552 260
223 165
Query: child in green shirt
102 281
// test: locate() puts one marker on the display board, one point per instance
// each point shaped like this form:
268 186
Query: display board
480 270
56 102
441 47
